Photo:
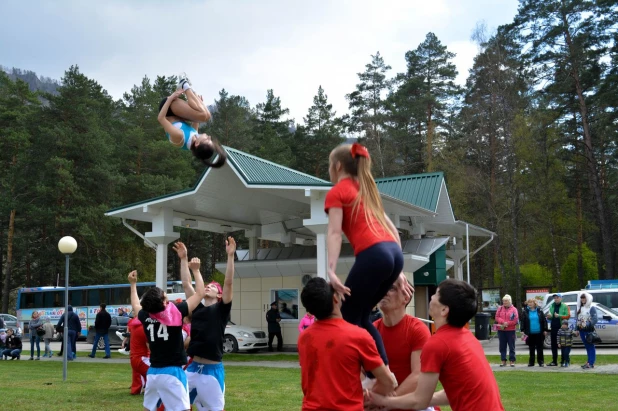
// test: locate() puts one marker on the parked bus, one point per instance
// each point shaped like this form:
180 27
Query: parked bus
85 300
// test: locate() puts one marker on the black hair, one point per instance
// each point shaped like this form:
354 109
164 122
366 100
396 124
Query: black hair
103 305
317 298
169 110
152 300
205 151
460 298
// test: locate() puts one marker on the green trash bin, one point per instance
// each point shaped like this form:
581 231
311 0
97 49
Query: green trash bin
481 326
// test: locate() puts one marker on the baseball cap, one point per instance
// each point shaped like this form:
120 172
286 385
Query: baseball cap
557 295
273 303
565 322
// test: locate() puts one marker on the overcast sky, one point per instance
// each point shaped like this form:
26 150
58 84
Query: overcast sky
243 46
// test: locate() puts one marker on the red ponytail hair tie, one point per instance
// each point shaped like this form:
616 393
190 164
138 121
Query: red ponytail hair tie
359 150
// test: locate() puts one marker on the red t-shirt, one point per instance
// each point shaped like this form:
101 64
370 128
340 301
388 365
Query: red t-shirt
139 347
331 353
360 234
464 371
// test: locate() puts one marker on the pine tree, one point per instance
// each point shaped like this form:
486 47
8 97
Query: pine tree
232 122
368 115
272 132
314 140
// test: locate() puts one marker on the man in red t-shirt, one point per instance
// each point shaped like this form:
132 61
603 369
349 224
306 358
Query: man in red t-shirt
332 352
140 356
404 337
452 356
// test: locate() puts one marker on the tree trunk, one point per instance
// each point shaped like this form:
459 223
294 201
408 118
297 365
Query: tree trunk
9 263
580 236
554 253
591 162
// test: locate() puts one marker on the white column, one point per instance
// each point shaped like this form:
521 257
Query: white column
468 252
252 235
318 223
162 234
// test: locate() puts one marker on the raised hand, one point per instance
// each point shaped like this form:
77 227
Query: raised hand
132 277
180 249
194 264
230 246
404 285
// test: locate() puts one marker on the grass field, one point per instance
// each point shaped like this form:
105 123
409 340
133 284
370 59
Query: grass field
100 386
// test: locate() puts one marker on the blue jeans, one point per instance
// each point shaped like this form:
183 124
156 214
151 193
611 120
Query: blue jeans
14 353
96 342
565 354
72 342
504 338
590 348
35 339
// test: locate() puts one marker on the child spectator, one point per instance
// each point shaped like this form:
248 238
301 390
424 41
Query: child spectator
47 337
307 320
565 342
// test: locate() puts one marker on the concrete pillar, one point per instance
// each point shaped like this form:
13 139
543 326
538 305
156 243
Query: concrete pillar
253 235
318 223
162 234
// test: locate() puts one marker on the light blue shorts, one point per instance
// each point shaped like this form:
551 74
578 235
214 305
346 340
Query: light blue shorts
169 384
206 386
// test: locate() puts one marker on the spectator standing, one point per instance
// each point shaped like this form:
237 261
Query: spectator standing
102 323
534 327
586 320
557 312
273 318
565 342
507 318
306 321
74 326
35 339
47 337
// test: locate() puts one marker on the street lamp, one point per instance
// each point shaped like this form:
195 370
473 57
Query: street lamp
67 246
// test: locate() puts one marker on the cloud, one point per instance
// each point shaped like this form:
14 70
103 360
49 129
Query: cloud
245 47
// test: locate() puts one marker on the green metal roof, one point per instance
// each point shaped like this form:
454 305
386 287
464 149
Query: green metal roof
421 190
258 171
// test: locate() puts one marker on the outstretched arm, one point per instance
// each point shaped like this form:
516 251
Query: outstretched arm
230 249
333 245
196 299
185 275
194 265
176 135
135 303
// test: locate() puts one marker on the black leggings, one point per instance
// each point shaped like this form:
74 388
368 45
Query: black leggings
372 275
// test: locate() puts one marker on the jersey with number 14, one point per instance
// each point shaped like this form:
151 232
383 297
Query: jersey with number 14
165 341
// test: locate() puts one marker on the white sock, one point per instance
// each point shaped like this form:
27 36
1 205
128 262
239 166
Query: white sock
186 86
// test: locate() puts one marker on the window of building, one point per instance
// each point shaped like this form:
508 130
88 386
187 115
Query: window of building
287 303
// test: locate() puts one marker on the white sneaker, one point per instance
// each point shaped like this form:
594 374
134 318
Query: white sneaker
123 351
182 78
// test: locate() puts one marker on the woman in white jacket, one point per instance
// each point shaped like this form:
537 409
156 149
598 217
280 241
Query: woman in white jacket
586 320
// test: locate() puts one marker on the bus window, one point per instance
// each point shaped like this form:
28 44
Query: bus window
53 299
26 300
120 295
98 296
77 297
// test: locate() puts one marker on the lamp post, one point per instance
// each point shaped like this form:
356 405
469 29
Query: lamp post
67 246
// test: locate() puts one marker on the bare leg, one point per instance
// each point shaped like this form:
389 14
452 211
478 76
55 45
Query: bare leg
184 110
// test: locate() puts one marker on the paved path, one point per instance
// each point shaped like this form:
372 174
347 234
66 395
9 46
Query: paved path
490 347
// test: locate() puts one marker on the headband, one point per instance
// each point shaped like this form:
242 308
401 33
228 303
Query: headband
359 150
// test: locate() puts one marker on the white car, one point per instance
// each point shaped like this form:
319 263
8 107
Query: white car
606 328
240 338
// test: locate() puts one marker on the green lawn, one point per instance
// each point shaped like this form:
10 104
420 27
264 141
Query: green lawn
39 386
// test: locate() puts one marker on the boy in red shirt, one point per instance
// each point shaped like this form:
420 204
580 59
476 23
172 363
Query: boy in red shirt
332 352
404 337
453 356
